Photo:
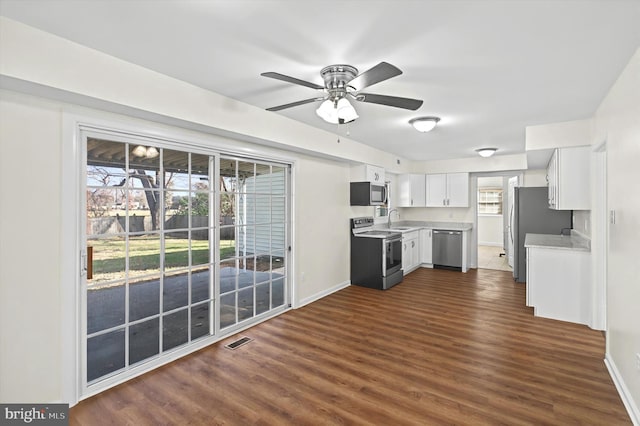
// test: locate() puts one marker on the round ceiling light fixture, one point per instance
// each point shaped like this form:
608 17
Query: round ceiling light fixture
486 152
424 124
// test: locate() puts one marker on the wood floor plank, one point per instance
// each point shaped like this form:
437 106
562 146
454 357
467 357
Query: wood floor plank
440 348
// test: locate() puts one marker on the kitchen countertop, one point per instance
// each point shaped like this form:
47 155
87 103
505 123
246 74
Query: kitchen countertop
415 225
561 242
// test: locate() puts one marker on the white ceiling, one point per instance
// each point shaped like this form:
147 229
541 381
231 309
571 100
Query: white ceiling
487 68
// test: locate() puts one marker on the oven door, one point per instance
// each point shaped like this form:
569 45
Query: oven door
392 258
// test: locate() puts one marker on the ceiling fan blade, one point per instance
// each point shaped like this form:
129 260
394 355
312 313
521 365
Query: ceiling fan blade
381 72
394 101
294 104
293 80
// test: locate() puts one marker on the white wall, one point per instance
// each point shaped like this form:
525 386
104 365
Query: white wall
557 135
30 257
490 230
537 177
617 121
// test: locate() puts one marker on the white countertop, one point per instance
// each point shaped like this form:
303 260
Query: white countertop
561 242
409 226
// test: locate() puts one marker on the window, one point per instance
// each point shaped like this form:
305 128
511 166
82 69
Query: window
490 201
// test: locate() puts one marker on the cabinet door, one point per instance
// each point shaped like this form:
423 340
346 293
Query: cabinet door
552 179
436 190
405 255
426 246
411 192
415 253
458 190
374 174
418 192
404 191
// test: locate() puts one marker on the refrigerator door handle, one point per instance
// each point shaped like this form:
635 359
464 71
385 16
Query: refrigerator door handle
511 224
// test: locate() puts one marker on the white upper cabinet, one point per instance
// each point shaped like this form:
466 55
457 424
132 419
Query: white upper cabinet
411 190
568 177
374 174
447 190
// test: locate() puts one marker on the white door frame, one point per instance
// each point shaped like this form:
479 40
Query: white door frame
600 239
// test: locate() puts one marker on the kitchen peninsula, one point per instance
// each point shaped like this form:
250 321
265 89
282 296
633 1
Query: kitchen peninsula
559 276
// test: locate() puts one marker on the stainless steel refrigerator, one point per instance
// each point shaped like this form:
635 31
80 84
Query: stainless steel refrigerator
531 215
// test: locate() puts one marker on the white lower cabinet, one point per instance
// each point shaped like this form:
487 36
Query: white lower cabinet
426 246
558 283
410 251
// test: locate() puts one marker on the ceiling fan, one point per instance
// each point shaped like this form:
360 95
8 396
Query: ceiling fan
342 82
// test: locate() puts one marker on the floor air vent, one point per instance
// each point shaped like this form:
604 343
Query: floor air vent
238 343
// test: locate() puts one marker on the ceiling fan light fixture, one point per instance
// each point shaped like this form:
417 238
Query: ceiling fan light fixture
424 124
327 112
486 152
345 111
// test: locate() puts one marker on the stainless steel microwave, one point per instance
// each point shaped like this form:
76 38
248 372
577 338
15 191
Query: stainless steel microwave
368 194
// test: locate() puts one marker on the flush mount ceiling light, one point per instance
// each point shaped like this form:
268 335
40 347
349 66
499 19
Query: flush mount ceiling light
486 152
424 124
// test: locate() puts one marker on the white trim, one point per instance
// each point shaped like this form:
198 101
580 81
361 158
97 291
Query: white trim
600 238
623 391
322 294
70 264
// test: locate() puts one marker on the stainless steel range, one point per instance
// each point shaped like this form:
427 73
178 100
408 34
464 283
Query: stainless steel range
376 255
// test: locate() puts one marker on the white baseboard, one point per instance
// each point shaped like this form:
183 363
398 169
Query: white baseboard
322 294
626 397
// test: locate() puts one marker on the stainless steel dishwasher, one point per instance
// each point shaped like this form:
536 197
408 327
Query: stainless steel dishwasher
447 249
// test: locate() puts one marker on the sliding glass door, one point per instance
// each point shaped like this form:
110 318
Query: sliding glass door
171 257
252 239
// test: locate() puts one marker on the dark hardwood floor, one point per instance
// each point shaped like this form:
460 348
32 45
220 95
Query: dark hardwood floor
441 348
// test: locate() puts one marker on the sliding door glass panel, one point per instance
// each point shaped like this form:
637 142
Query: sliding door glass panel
144 299
150 278
105 354
175 330
259 213
144 340
200 315
200 285
263 297
227 309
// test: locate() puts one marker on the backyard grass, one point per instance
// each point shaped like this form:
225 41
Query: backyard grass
144 255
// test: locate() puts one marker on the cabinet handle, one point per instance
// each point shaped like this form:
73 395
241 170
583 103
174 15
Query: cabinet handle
413 243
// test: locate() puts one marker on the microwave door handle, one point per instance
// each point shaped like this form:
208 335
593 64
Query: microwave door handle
384 194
